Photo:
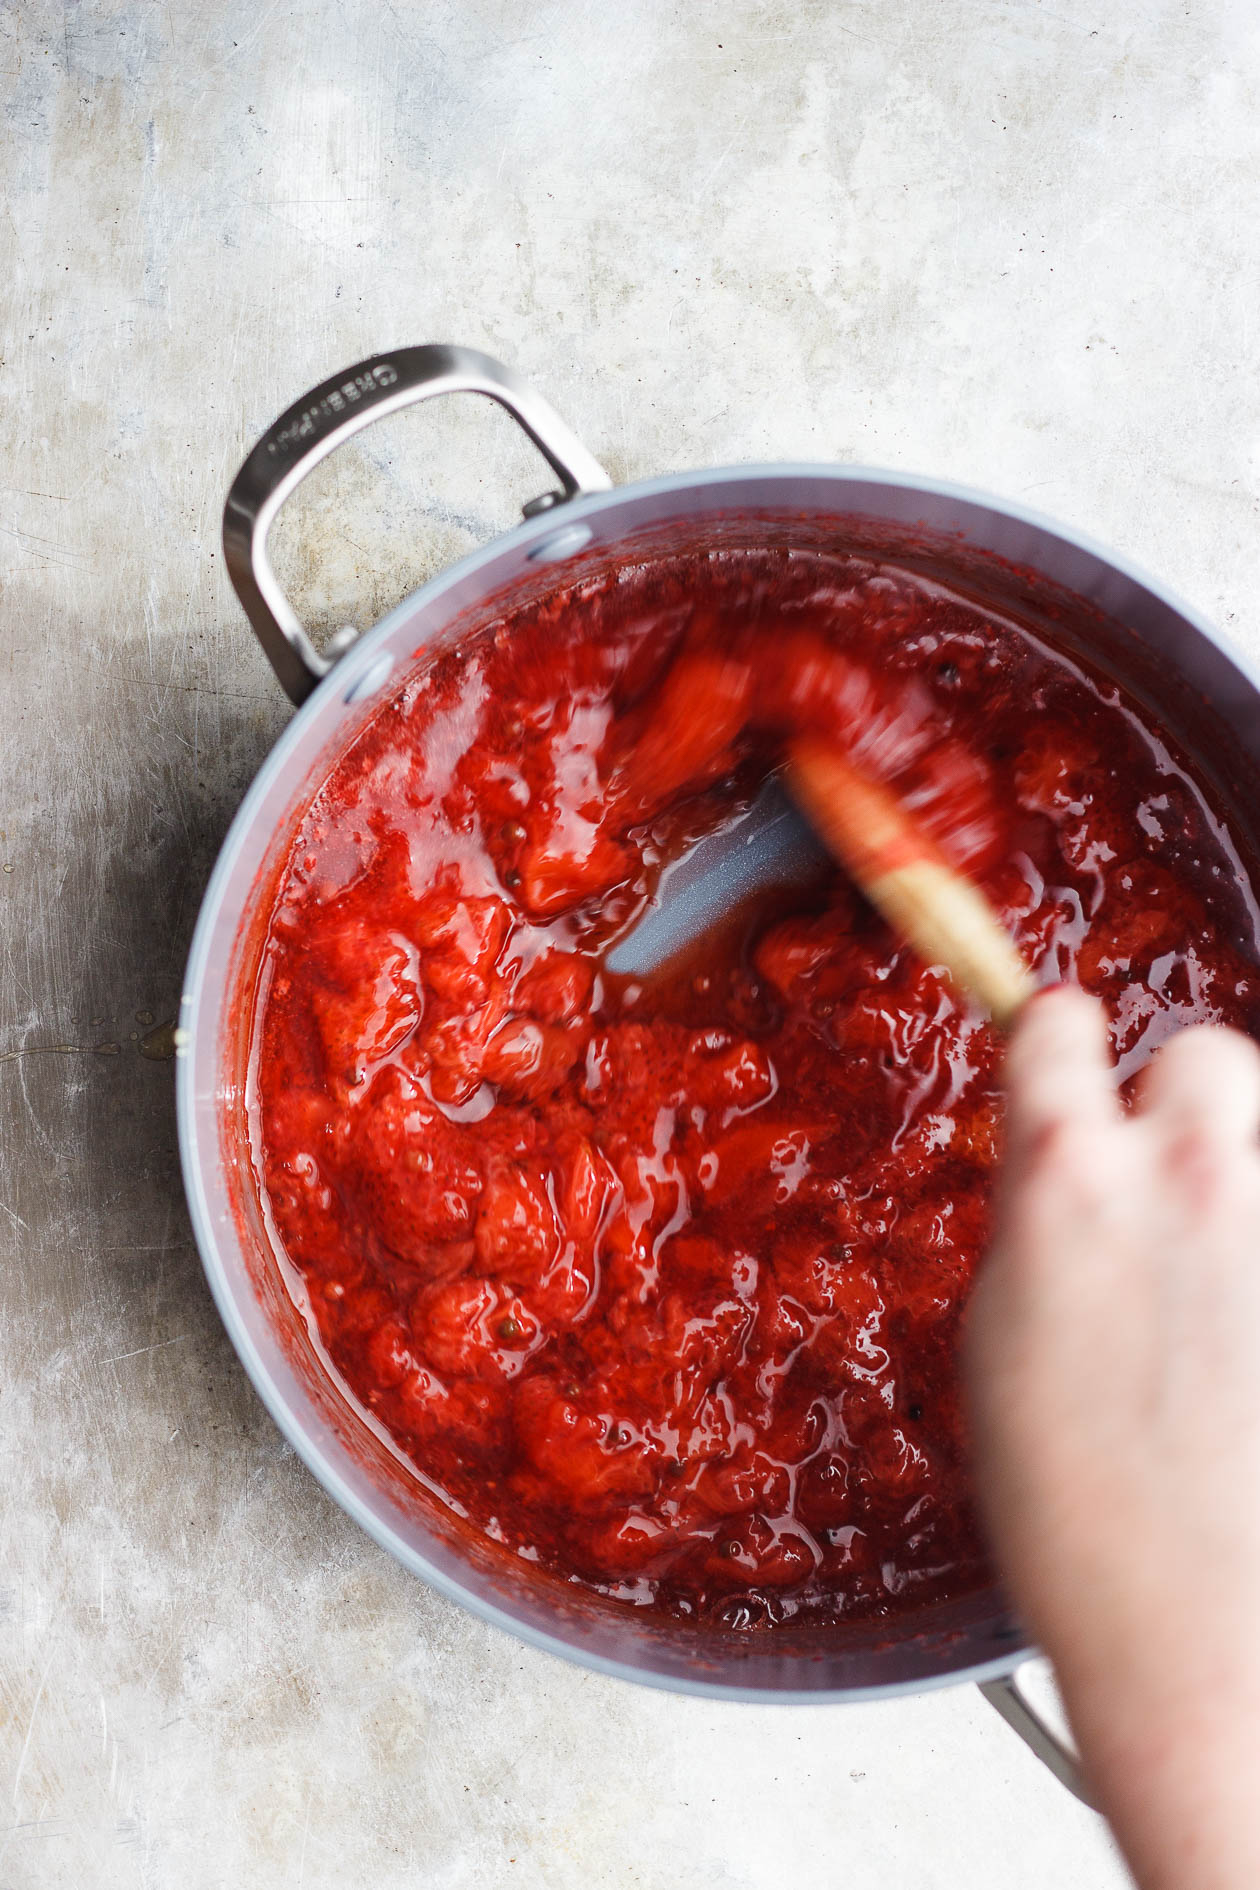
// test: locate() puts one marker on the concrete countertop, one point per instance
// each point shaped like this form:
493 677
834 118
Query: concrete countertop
1006 242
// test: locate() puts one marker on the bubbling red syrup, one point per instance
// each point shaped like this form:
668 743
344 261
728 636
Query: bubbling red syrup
659 1279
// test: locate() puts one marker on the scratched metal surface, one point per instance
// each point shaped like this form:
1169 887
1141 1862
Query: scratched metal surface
1011 243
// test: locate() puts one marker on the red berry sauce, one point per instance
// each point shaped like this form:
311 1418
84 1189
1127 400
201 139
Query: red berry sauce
659 1280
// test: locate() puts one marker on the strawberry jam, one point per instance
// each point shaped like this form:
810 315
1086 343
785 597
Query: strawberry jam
658 1279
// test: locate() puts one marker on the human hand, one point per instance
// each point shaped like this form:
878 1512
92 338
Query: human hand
1113 1364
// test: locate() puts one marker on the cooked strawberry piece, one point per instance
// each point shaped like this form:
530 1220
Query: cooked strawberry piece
826 1496
592 1187
412 1173
631 1542
518 1230
556 988
783 1327
759 1552
585 1452
683 737
454 1048
750 1480
812 685
390 1354
470 1413
819 1272
476 1328
851 1342
728 1075
950 793
796 951
632 1064
977 1131
371 1001
710 1332
818 960
567 863
1143 915
1055 769
565 1290
765 1160
460 940
692 1257
528 1060
365 1309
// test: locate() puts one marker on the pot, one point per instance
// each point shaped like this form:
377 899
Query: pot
989 545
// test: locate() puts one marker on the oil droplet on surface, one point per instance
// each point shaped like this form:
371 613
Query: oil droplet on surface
158 1044
144 1017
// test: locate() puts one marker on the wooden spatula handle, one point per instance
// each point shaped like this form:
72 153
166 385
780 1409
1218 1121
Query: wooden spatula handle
906 877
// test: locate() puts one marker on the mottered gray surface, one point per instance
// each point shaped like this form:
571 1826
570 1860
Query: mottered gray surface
1005 242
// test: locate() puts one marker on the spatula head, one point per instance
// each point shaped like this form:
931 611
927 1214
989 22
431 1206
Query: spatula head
767 845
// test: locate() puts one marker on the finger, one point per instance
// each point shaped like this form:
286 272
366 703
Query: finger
1207 1080
1057 1070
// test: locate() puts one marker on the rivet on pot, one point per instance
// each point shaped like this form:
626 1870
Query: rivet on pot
373 678
559 544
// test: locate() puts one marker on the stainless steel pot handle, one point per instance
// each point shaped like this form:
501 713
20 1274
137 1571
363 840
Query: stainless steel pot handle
309 430
1008 1698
